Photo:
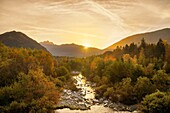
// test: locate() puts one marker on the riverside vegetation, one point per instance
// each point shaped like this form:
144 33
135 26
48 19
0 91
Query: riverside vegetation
131 75
32 80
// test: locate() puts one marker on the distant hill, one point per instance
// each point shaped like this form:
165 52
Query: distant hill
19 39
71 50
150 37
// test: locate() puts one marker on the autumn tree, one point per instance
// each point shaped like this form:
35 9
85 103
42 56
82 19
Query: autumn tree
34 92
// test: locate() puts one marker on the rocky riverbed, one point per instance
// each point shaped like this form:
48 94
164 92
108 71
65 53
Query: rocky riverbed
84 99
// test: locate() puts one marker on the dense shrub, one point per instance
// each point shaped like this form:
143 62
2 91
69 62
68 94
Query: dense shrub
158 102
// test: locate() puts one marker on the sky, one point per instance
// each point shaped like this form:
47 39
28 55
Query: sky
96 23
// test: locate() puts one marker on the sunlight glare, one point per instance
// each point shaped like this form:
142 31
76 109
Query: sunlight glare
86 46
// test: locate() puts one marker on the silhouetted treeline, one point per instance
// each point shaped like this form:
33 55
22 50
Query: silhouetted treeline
150 50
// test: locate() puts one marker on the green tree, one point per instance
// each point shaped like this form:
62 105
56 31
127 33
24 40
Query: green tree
143 87
141 59
167 66
161 81
158 102
124 91
137 72
143 44
119 70
62 73
160 49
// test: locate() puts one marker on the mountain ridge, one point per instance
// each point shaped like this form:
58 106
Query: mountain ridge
19 39
150 37
71 50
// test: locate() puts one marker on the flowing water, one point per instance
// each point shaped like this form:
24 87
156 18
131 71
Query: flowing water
94 109
85 86
89 94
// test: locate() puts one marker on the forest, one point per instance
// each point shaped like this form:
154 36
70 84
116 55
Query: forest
133 74
32 80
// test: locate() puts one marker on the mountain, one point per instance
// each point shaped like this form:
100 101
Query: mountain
71 50
150 37
19 39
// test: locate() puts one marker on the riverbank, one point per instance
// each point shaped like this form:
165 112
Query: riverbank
73 100
84 99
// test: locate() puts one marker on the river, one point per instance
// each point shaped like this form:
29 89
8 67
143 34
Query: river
88 93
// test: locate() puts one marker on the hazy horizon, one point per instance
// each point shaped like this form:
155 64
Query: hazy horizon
94 23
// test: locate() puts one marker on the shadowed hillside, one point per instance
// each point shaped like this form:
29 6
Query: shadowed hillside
150 37
71 50
19 39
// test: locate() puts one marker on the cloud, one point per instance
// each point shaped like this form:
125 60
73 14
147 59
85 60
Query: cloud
62 31
99 21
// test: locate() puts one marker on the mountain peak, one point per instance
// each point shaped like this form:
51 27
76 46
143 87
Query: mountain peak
19 39
47 43
13 32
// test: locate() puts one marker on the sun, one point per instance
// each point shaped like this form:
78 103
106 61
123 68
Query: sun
86 46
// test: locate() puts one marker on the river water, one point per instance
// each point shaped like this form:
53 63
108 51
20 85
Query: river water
89 94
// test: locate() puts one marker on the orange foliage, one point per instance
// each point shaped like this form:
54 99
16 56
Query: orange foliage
109 58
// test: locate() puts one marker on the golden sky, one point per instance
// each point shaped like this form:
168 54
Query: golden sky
97 23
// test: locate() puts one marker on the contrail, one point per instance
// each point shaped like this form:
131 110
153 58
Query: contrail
113 17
